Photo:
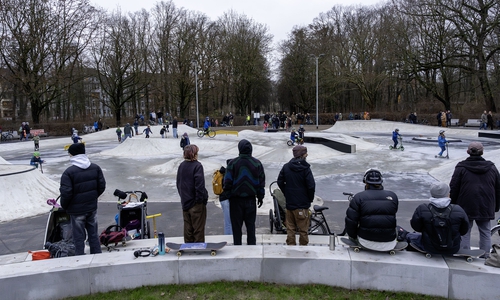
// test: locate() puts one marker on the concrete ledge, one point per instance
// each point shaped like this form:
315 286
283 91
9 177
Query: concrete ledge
489 134
339 146
269 261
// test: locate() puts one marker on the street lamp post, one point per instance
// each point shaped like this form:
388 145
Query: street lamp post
196 88
317 94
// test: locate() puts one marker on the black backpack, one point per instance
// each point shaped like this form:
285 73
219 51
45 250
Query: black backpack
441 237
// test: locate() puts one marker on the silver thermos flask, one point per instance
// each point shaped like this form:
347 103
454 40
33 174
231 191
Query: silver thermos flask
332 241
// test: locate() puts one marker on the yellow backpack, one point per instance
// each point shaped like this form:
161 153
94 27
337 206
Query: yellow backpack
217 179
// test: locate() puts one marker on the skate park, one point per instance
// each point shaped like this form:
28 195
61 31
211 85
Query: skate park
150 164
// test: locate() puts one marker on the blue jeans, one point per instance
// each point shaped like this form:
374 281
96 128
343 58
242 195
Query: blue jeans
174 132
415 238
484 236
79 224
228 230
126 136
243 210
395 142
443 148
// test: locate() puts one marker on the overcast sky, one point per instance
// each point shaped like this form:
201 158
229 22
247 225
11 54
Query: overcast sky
280 16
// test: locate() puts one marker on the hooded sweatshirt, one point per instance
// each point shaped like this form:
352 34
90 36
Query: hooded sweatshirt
245 177
297 183
422 222
81 185
475 186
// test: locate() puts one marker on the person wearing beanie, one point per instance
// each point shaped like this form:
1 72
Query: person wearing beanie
425 237
475 186
245 181
81 185
184 140
296 181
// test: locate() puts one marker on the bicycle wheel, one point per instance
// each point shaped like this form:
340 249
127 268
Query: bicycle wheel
317 227
212 134
200 133
289 143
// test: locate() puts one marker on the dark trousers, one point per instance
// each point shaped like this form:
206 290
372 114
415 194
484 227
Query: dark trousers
243 210
195 219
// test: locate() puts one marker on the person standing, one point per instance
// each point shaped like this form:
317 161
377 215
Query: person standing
395 136
442 142
194 196
174 128
36 140
224 203
81 185
136 126
99 124
119 134
184 140
484 121
127 132
296 180
475 186
371 217
245 180
148 131
490 120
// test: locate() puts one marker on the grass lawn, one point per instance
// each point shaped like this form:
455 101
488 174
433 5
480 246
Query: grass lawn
249 290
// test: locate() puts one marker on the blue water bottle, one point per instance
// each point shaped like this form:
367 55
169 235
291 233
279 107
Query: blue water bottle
161 243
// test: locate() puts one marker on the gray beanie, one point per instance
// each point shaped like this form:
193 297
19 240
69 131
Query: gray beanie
440 190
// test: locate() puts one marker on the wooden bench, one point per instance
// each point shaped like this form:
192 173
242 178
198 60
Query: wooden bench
455 122
39 132
473 123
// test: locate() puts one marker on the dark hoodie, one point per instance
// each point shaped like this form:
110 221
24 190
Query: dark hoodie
297 183
245 177
475 186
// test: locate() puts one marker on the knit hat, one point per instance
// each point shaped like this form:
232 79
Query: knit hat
475 149
77 148
299 151
440 190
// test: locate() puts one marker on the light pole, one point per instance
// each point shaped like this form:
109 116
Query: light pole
317 94
196 88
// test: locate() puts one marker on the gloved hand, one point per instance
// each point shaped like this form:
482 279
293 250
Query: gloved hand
259 202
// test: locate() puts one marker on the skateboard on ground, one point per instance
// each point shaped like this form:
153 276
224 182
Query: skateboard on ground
468 254
193 247
357 247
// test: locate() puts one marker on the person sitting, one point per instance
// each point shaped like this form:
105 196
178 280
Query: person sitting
36 159
422 222
371 217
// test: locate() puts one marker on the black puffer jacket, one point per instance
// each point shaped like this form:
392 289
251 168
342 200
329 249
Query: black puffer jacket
475 186
372 215
296 181
80 186
421 222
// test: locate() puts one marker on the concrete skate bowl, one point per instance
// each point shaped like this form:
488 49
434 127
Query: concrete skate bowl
29 187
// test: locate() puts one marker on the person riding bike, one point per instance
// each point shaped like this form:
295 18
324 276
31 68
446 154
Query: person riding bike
206 125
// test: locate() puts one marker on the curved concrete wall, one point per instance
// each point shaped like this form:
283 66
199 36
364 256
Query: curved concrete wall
269 261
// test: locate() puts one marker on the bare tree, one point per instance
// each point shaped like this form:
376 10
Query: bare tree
41 43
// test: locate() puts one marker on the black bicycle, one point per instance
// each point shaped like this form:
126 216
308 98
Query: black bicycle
319 225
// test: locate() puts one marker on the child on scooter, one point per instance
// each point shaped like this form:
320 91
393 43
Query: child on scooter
293 136
442 142
395 136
